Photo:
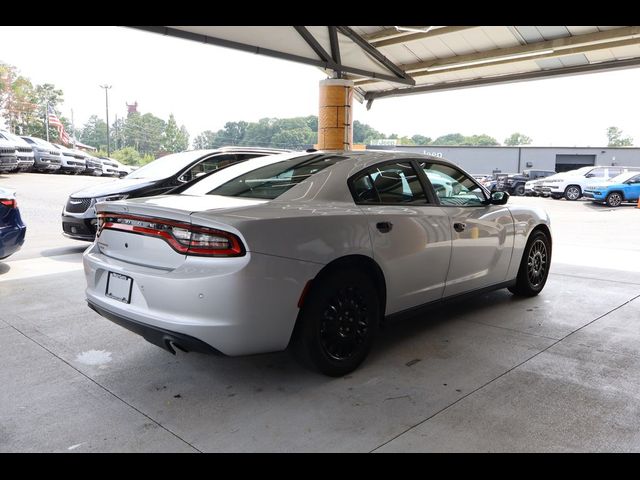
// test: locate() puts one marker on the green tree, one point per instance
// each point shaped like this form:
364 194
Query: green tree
94 133
233 133
421 140
130 156
480 140
450 139
518 138
205 140
144 133
175 139
363 133
291 138
614 134
18 104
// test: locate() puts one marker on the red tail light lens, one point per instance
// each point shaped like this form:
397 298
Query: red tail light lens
9 202
182 237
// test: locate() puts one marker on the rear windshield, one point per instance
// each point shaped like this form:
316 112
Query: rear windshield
273 180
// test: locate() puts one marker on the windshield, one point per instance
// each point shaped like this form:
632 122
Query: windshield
623 177
168 165
40 143
271 181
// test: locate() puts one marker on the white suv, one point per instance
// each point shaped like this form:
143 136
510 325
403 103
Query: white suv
570 185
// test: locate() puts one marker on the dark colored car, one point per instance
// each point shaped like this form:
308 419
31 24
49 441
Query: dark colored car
158 177
12 229
24 152
47 157
514 183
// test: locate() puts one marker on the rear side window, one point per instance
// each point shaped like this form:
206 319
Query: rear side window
273 180
392 183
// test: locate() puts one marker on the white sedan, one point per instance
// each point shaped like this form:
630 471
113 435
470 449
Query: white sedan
308 250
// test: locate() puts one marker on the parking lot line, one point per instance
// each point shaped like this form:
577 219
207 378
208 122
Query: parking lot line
36 267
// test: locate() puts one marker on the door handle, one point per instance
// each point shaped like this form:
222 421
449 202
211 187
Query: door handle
459 227
384 227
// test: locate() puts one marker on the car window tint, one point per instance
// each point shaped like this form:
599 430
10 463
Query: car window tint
364 190
396 183
453 187
635 179
208 165
273 180
614 172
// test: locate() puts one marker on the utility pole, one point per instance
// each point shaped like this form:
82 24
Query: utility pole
106 99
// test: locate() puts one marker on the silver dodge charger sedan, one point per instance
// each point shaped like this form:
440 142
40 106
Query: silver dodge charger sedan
309 251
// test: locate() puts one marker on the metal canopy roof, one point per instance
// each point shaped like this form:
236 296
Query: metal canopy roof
386 61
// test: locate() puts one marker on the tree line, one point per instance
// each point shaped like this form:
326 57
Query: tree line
135 139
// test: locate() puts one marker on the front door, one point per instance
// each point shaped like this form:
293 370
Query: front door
482 235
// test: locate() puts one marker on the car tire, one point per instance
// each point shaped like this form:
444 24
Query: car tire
337 323
534 266
614 199
519 190
572 192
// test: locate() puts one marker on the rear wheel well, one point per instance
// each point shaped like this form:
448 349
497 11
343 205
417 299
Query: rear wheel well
362 263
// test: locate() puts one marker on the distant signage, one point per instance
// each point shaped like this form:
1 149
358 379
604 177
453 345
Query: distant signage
433 154
390 142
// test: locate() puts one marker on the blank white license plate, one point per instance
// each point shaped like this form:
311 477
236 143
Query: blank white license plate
119 287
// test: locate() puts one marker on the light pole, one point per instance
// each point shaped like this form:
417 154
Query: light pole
106 99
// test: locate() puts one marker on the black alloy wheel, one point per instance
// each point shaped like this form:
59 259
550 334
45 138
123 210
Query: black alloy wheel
534 266
337 323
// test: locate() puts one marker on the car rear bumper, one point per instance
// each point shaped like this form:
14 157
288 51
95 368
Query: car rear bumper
236 306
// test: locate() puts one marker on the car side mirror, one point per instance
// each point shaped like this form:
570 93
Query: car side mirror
498 198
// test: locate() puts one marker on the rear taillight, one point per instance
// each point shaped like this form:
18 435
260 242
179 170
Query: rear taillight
182 237
9 202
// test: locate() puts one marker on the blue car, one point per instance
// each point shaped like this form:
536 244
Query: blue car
623 188
12 230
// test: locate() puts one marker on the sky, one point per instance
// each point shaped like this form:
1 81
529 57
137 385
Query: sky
206 86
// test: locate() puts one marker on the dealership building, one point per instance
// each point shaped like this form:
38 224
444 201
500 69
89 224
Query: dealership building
485 160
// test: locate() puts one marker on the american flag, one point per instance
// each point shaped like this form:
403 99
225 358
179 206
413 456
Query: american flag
55 121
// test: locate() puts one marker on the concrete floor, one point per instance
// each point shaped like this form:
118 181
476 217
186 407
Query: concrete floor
559 372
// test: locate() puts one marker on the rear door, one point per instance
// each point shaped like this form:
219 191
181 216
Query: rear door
410 234
482 235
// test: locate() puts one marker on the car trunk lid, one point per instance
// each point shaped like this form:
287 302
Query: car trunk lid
153 231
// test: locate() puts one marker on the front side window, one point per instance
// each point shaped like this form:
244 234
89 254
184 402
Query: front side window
392 183
635 179
596 173
452 187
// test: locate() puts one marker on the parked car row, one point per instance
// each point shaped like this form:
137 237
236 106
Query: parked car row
33 154
575 184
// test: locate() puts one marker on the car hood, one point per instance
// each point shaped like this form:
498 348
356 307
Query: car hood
114 187
604 186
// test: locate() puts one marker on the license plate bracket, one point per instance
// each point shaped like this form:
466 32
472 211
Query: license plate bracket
119 287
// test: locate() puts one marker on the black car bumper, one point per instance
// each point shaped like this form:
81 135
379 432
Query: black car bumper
158 336
79 228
